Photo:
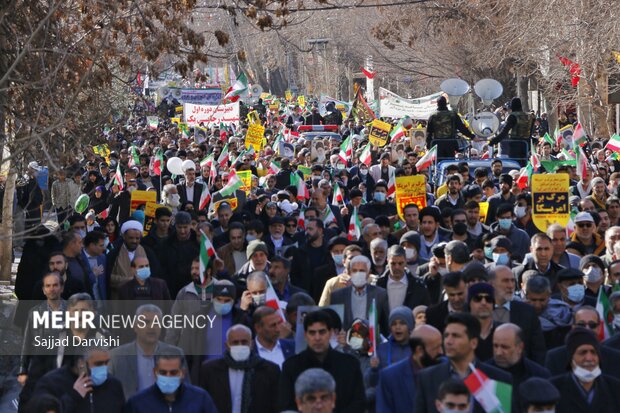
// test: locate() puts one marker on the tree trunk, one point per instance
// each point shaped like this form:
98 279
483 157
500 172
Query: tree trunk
6 228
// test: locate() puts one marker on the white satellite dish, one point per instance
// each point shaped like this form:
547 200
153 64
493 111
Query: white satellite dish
484 124
256 90
488 89
454 88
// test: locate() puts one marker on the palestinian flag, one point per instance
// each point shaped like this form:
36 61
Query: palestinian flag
134 159
300 184
427 160
494 396
158 162
222 161
398 132
274 167
614 143
525 176
118 178
205 197
579 135
234 183
207 253
366 156
373 327
605 314
346 150
338 197
355 227
236 90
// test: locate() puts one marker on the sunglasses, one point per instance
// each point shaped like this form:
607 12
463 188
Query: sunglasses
291 225
592 325
478 298
584 225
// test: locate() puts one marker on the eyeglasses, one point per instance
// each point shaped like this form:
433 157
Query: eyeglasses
592 325
478 298
584 225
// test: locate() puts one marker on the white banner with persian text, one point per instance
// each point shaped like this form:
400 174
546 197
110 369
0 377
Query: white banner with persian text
393 106
210 115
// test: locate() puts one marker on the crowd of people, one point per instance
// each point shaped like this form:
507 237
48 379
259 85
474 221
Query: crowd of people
397 318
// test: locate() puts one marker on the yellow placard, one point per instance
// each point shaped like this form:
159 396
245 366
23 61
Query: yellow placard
176 121
306 170
233 202
379 133
254 137
410 190
149 216
288 95
484 210
139 198
246 178
550 200
103 151
274 107
178 109
301 101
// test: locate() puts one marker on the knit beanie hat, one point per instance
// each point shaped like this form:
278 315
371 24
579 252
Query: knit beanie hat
579 336
402 313
255 246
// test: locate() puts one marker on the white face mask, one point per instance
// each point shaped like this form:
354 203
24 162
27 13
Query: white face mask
358 279
259 299
356 343
520 211
442 270
586 376
174 200
593 274
240 353
617 320
333 341
411 254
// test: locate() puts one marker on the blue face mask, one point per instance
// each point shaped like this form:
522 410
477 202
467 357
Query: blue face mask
143 273
505 223
501 259
338 259
168 385
576 293
488 252
222 308
379 197
99 375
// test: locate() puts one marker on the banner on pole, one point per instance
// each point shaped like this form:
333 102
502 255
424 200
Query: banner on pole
393 106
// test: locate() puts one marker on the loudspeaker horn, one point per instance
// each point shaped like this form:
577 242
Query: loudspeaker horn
454 88
488 89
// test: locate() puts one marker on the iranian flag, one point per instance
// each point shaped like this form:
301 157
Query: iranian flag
525 176
614 143
118 178
366 156
289 135
298 182
494 396
153 122
346 150
301 220
222 161
427 160
104 214
276 143
274 167
558 135
134 159
207 253
158 162
355 227
236 90
535 162
205 197
605 314
582 162
338 197
184 130
234 183
398 132
207 160
579 135
392 184
272 300
373 327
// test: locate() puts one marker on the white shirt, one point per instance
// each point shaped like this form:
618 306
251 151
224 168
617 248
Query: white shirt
235 380
189 191
275 355
396 290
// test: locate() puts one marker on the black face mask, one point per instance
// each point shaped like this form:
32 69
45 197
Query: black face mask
460 228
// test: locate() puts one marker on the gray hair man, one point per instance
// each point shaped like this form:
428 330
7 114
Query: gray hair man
315 391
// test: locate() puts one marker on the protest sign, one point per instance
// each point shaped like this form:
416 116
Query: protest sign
484 210
246 178
410 190
149 216
550 200
211 114
140 198
393 106
254 137
379 133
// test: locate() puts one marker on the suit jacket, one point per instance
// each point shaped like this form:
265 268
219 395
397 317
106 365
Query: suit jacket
101 280
524 315
344 368
343 296
557 361
214 379
158 290
182 189
416 291
429 380
124 365
436 315
613 342
606 396
396 389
